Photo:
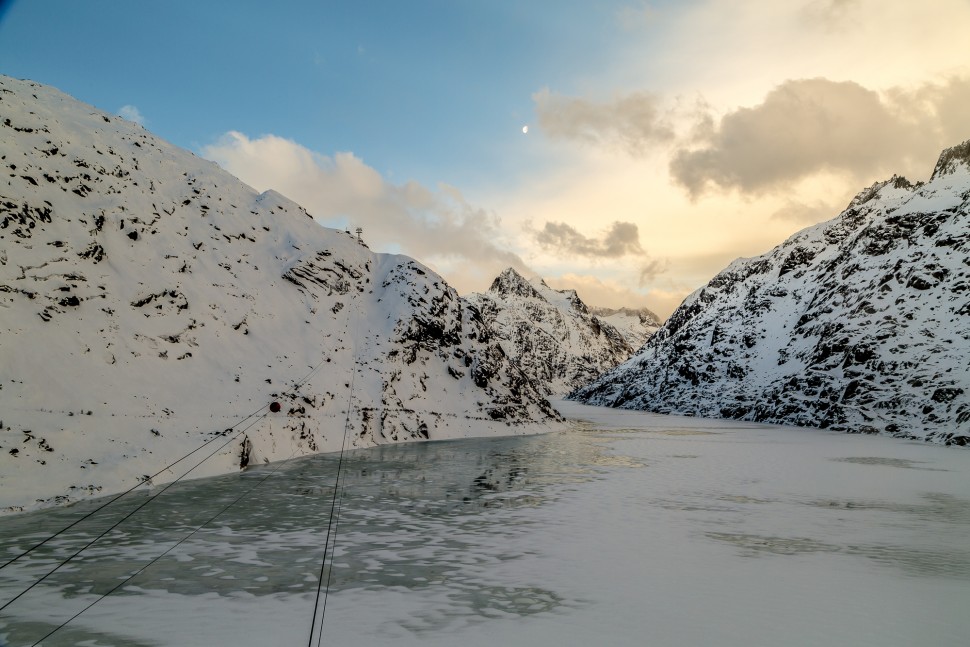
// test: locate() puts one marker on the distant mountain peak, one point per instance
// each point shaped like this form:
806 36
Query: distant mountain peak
551 334
511 282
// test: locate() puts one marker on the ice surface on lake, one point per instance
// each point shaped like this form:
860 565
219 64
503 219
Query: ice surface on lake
629 529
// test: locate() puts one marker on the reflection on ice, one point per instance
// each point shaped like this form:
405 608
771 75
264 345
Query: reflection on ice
912 561
416 516
876 460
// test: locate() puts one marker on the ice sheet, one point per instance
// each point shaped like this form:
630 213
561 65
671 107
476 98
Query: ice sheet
628 529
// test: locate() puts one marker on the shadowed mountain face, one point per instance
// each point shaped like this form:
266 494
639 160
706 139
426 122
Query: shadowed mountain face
149 300
550 334
859 324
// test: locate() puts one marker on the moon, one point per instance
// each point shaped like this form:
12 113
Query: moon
525 130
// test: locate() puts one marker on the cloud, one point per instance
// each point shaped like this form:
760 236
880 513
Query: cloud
437 227
632 122
131 113
621 239
808 126
651 270
800 128
945 105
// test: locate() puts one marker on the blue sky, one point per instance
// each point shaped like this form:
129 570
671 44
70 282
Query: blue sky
431 90
665 138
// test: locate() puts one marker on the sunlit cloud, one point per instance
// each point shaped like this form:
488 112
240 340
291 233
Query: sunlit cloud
631 122
800 128
812 125
620 239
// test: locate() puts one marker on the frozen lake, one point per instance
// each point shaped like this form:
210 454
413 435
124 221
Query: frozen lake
628 529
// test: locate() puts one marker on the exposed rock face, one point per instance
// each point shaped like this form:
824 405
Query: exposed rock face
636 325
860 324
149 300
550 334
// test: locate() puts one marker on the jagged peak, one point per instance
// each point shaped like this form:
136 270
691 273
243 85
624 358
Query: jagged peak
952 159
510 274
511 282
873 191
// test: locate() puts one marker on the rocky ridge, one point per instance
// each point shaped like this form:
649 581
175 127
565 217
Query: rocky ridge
550 334
150 300
859 324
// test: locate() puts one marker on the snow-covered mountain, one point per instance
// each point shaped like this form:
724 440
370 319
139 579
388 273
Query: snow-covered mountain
860 324
150 300
550 334
636 325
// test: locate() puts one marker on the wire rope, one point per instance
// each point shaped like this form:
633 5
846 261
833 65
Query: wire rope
168 550
101 507
334 519
127 516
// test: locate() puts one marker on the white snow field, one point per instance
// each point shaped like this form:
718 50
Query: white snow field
629 528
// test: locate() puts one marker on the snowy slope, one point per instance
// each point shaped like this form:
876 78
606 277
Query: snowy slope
636 325
550 334
859 324
149 300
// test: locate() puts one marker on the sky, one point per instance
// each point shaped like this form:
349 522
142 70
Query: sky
629 150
